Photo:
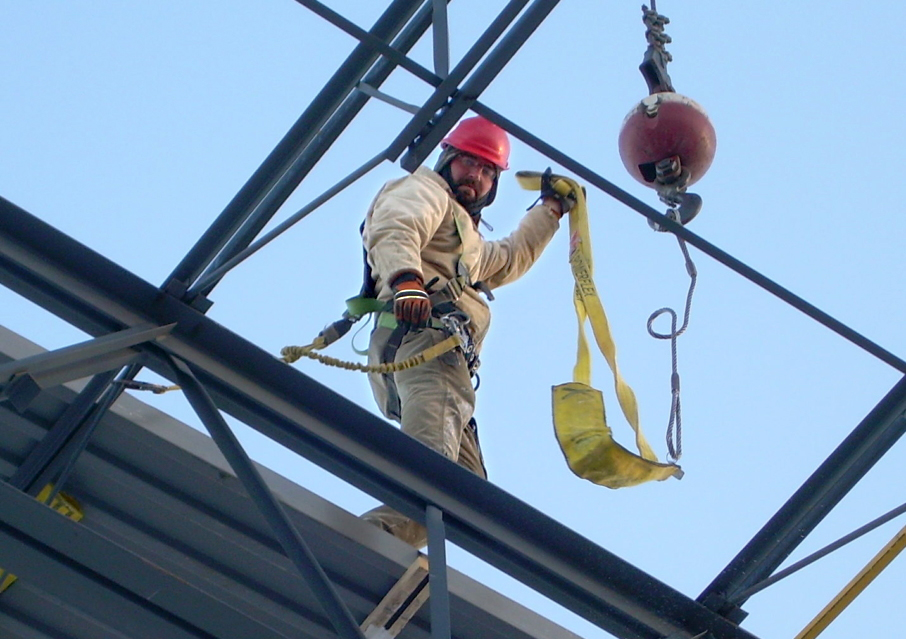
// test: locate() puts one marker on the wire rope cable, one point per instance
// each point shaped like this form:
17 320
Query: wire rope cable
675 422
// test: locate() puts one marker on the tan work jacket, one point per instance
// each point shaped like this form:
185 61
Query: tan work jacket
415 224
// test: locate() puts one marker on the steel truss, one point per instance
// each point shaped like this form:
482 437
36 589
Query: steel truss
164 328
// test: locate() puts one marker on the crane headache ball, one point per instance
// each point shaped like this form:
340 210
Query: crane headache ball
662 126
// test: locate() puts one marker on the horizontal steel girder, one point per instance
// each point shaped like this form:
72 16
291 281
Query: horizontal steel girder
100 296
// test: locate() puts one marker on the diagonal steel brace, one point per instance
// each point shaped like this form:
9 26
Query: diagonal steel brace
80 360
286 533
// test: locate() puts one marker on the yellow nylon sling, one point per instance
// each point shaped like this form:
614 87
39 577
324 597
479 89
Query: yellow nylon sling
578 409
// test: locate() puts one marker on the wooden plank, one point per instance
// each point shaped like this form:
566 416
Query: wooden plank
400 603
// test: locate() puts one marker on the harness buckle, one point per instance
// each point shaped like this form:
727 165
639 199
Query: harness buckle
456 323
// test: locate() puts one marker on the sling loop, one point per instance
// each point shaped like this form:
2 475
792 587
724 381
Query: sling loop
578 409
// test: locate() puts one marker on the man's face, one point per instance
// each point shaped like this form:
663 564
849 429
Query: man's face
472 178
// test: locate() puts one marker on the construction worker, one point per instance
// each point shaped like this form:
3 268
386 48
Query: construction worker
425 253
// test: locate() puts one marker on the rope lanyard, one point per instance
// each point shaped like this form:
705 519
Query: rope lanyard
290 354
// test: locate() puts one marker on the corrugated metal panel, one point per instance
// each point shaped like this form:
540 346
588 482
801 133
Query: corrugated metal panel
170 544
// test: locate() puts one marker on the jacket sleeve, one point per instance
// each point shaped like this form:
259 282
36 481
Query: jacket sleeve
403 219
504 261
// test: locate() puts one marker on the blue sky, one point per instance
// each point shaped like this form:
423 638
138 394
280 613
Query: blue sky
130 126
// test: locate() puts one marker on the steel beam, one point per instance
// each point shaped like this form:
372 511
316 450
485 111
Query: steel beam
441 39
437 574
210 278
108 582
426 141
446 87
819 554
284 154
32 473
62 465
371 92
88 358
852 459
98 296
327 134
378 45
289 538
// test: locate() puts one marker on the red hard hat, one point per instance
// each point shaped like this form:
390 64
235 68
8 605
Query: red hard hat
481 138
664 125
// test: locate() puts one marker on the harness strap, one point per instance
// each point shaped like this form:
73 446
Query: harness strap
388 320
388 356
449 292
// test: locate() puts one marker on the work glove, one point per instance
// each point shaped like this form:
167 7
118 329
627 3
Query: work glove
567 201
411 304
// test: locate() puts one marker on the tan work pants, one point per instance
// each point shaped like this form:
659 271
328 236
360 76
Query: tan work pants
433 403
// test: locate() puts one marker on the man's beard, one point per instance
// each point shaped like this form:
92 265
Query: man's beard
467 197
471 204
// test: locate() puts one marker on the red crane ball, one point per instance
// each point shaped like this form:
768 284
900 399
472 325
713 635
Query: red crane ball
664 125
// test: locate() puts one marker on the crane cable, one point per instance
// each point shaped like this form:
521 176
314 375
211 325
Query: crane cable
671 180
675 437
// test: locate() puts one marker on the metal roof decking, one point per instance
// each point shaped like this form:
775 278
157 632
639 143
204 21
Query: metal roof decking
171 545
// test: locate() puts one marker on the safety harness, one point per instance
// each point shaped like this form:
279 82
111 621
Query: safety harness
446 316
